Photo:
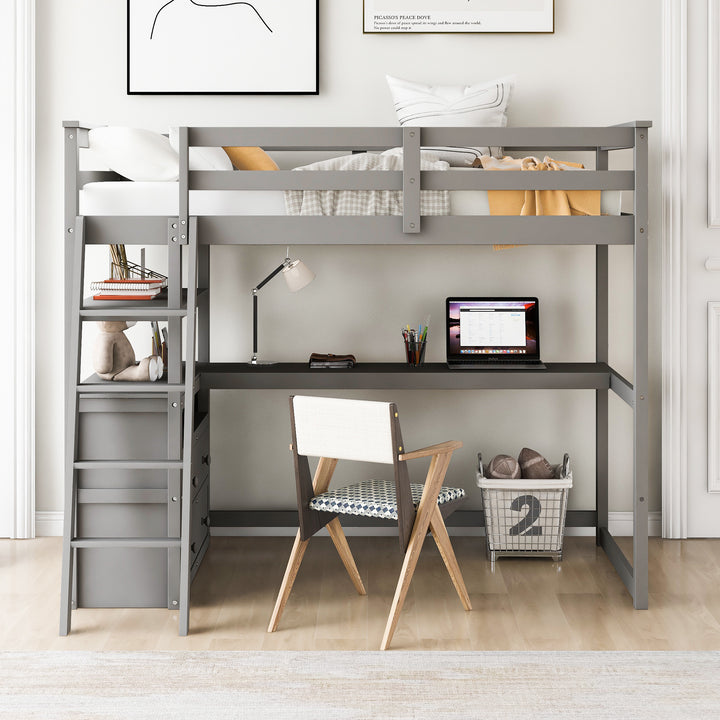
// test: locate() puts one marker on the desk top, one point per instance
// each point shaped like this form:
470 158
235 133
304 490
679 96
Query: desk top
377 376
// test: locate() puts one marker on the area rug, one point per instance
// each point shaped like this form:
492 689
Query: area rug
359 685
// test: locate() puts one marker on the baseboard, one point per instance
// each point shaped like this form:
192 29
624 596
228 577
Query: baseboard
49 524
619 523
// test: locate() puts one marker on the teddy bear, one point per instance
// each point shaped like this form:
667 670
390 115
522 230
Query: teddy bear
114 357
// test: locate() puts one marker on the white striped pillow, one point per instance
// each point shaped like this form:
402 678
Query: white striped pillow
481 105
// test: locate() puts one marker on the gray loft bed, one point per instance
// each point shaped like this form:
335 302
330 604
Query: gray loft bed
201 232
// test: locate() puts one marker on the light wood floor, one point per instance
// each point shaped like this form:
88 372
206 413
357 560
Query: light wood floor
535 604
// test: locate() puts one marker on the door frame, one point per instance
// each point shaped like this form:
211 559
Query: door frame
674 269
18 187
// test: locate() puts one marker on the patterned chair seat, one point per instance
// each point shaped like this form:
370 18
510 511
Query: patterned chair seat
375 498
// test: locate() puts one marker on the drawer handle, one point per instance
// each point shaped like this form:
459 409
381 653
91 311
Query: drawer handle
194 481
205 460
192 547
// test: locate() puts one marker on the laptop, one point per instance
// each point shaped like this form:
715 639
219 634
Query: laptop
493 333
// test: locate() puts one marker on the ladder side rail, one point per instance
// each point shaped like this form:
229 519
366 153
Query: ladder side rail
641 437
71 435
174 492
184 613
601 356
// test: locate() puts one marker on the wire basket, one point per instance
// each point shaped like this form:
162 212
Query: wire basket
525 517
123 269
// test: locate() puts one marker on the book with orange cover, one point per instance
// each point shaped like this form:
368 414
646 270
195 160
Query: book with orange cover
126 296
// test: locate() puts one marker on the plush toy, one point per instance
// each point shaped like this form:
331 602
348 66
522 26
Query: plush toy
114 357
503 467
534 466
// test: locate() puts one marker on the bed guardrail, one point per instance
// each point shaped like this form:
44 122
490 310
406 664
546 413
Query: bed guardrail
412 227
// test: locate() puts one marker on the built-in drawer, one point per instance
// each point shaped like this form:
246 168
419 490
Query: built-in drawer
199 521
200 455
121 503
122 577
124 428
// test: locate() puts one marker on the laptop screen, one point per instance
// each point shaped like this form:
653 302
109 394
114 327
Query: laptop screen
491 329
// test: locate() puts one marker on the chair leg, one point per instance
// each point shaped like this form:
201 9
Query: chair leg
436 473
408 568
442 539
341 545
291 571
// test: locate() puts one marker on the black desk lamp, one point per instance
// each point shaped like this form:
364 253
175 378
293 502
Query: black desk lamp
297 275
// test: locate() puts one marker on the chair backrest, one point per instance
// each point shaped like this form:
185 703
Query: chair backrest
343 429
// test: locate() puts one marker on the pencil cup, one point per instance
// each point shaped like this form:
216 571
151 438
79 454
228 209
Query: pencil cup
415 352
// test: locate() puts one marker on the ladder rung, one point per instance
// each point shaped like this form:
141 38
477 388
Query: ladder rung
128 465
125 542
156 388
133 313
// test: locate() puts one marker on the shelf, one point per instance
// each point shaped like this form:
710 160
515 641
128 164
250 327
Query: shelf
147 543
400 376
95 385
155 309
128 465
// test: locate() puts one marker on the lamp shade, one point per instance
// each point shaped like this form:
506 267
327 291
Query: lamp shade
297 275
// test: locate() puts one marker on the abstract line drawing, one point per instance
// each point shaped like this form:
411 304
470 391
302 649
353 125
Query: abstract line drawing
213 5
222 47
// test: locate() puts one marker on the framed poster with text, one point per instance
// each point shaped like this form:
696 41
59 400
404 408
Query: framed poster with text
458 16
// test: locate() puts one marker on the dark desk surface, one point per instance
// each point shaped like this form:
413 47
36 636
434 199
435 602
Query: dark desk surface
377 376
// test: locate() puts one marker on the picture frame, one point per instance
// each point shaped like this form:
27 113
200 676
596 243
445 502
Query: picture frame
458 16
222 47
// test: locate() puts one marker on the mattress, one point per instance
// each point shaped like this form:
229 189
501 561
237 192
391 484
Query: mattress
161 198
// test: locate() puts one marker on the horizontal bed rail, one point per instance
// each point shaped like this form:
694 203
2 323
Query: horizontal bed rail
367 230
436 230
464 179
380 138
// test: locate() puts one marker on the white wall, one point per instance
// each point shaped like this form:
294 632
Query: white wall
600 67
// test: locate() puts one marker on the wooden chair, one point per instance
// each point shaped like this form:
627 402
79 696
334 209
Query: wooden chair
337 429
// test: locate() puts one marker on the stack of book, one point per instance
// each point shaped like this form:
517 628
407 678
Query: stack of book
127 289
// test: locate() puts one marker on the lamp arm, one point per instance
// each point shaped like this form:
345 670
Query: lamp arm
264 282
261 284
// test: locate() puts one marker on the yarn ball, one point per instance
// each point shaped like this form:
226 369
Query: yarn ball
534 466
503 467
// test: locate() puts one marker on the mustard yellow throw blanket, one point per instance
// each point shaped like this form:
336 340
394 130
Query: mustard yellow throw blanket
538 202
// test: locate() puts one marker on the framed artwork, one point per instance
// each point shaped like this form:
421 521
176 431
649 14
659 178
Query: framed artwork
458 16
222 47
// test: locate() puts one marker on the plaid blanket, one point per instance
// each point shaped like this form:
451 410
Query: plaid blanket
366 202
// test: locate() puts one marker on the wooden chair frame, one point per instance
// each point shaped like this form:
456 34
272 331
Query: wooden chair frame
413 524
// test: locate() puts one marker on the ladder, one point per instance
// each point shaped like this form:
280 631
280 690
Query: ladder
178 387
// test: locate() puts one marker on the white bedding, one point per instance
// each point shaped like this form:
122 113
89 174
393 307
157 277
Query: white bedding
161 198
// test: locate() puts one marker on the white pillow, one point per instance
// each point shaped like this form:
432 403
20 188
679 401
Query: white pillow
135 153
481 105
202 158
459 156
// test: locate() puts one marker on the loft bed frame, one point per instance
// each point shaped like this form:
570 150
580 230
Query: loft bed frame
189 383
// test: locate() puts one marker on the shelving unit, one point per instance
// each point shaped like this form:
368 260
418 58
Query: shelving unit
136 504
188 436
